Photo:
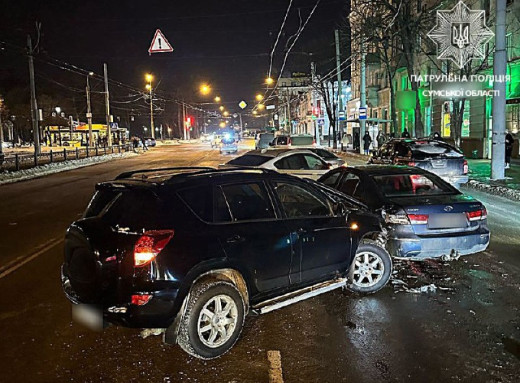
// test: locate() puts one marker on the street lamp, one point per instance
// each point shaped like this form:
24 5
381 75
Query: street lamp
261 106
221 108
89 111
259 97
269 81
205 89
149 79
217 99
226 113
255 112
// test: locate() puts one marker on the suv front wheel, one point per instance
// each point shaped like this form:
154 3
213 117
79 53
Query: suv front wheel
213 320
370 270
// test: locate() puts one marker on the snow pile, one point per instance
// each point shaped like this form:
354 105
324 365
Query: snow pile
495 189
57 167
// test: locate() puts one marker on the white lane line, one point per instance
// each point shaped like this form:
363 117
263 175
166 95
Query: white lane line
275 366
22 260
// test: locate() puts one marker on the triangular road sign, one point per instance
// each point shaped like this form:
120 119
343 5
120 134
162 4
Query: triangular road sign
159 43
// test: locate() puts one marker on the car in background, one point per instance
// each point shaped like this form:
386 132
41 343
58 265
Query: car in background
150 141
302 141
263 140
216 140
438 157
228 145
301 163
329 157
281 142
212 247
426 217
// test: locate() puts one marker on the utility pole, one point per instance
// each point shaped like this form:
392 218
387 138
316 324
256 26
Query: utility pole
1 132
362 96
89 113
107 105
315 104
152 127
34 105
340 90
499 101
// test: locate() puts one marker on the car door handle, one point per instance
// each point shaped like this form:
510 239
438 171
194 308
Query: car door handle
235 239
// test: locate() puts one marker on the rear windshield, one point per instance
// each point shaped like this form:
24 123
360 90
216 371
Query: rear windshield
302 141
424 150
249 160
408 185
101 199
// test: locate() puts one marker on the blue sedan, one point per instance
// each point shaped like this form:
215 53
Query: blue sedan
426 217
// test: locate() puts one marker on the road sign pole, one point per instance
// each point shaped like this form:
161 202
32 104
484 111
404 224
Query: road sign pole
107 106
362 97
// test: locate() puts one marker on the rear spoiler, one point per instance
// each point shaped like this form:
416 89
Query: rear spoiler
180 168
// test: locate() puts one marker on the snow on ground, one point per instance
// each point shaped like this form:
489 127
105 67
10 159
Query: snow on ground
57 167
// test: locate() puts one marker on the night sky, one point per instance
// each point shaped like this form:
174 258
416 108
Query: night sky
225 43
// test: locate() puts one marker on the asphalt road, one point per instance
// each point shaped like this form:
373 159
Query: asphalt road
466 331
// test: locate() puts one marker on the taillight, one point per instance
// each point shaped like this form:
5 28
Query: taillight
313 142
465 171
149 245
411 163
141 299
418 219
477 215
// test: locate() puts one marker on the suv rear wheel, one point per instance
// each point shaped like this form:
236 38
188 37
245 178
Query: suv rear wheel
213 320
370 270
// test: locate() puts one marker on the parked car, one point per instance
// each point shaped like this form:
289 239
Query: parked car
228 145
328 156
150 141
216 140
263 139
281 142
213 246
426 216
438 157
301 163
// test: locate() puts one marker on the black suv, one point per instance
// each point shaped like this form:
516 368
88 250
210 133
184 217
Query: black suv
188 252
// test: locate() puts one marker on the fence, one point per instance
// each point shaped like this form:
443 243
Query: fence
27 161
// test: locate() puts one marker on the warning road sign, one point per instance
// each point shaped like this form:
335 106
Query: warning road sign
159 43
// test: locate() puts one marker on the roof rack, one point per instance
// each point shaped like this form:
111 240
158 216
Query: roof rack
131 173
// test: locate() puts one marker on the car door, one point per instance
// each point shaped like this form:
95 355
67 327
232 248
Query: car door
251 235
320 238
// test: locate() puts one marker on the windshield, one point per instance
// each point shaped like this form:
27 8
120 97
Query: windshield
408 185
249 160
228 141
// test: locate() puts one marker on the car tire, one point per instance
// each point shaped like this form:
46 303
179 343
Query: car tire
197 328
370 270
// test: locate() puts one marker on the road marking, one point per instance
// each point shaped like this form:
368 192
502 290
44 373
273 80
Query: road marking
22 260
275 366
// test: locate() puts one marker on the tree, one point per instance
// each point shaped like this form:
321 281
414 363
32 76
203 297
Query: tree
324 87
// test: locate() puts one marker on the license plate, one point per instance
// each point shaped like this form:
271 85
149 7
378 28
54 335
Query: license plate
447 221
439 163
88 316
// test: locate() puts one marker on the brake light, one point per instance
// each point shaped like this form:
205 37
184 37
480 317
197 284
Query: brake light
149 245
477 215
289 142
465 171
141 299
418 219
313 142
411 163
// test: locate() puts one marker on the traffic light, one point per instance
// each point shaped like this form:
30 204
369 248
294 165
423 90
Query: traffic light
188 123
316 111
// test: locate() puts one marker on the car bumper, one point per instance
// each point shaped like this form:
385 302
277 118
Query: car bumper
435 247
159 312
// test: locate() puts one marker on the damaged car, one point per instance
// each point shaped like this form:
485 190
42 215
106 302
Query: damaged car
425 216
189 252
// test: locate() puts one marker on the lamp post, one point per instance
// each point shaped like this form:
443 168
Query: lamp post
89 112
1 132
149 79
